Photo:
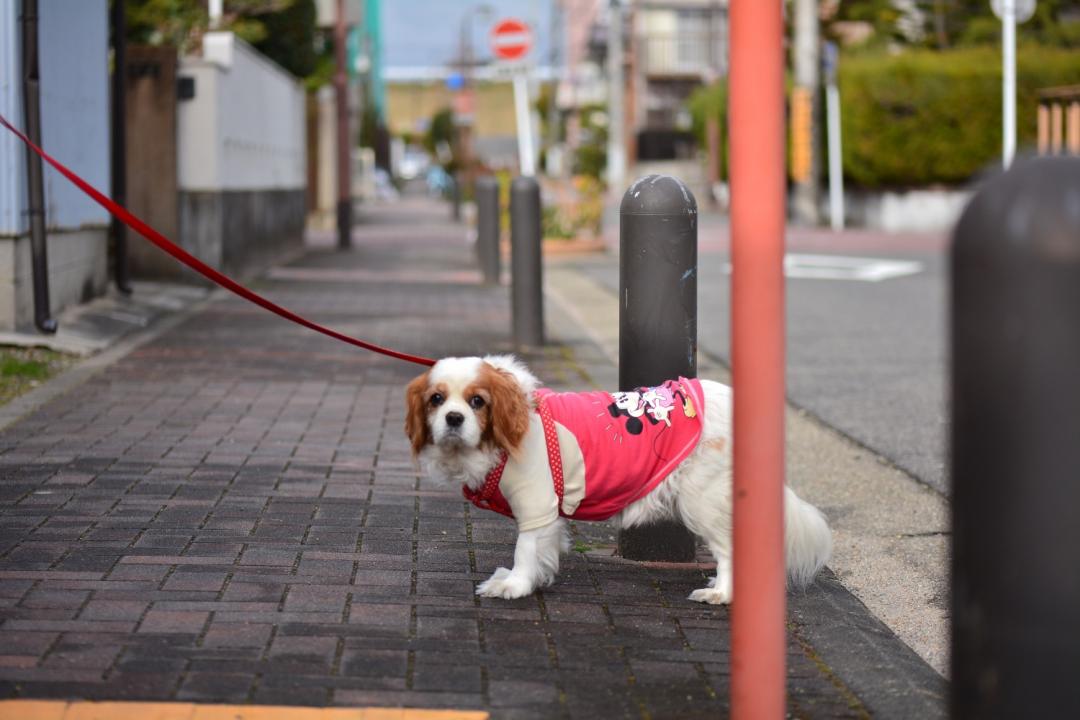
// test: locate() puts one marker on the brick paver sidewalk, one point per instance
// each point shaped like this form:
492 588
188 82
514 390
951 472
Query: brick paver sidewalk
230 514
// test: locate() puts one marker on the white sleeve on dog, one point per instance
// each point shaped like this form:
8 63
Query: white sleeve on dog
526 482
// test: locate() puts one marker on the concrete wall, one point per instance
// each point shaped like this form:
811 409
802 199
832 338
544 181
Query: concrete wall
241 229
904 210
78 272
241 158
75 129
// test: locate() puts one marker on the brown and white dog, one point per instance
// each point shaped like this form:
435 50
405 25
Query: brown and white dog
466 416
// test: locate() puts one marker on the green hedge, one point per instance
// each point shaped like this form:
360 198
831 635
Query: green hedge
924 117
707 102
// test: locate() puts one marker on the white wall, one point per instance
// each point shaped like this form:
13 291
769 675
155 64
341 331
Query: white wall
245 127
906 210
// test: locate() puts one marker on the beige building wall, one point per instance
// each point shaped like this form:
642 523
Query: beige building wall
411 105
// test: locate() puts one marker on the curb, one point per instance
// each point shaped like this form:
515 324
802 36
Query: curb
888 678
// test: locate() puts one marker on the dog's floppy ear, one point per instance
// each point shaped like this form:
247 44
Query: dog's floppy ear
509 410
416 426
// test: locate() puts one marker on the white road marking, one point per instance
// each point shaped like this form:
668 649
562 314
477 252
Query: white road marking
840 267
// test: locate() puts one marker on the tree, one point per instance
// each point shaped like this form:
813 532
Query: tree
283 30
946 23
289 38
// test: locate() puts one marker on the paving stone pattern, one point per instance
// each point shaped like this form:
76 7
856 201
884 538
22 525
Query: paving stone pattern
230 514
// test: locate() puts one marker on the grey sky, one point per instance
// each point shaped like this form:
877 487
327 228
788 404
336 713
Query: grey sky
424 33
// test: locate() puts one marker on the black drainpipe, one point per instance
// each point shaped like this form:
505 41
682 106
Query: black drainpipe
119 147
35 185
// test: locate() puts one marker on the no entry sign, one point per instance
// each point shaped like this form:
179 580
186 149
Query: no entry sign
511 39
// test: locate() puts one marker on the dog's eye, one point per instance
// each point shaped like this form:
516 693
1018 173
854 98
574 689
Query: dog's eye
436 400
476 402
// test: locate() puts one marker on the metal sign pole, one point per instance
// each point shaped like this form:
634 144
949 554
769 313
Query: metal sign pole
832 122
1010 12
1008 81
526 152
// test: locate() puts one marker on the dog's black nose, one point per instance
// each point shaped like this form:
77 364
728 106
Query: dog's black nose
454 419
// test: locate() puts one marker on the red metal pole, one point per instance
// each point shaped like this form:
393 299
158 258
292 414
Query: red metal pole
757 319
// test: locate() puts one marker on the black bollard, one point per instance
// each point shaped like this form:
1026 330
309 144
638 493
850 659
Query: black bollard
487 228
455 197
526 263
657 319
1016 445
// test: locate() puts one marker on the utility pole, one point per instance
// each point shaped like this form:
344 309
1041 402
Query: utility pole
344 205
616 150
806 148
555 32
118 24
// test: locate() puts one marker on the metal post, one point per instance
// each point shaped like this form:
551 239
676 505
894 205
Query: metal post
756 112
657 319
1015 450
487 228
344 173
455 196
526 150
805 51
1008 81
119 143
836 164
39 261
526 263
832 122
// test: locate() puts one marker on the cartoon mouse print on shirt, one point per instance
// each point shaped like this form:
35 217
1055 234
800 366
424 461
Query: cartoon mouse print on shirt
654 404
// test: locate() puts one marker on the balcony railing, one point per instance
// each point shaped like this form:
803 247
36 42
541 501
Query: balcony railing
693 54
1059 121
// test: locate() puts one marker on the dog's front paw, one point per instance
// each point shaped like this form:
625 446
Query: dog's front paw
504 584
711 595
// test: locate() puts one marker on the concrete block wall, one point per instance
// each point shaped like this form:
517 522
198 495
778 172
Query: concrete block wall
78 272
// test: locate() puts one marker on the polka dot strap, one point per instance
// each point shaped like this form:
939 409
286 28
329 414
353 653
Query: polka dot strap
551 439
482 497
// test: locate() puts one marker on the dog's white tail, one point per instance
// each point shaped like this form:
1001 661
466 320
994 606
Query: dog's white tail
808 539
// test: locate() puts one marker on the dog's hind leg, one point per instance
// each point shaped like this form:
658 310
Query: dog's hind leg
704 505
718 591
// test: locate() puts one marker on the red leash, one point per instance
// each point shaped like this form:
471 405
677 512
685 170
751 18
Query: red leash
198 265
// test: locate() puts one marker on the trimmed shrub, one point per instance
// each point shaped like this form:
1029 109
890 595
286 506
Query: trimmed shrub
924 117
705 102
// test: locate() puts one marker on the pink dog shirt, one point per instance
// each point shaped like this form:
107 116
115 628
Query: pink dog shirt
599 453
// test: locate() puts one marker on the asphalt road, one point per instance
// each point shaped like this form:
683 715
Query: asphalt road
868 358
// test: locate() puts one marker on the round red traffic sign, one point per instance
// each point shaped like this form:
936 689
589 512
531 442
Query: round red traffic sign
511 39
